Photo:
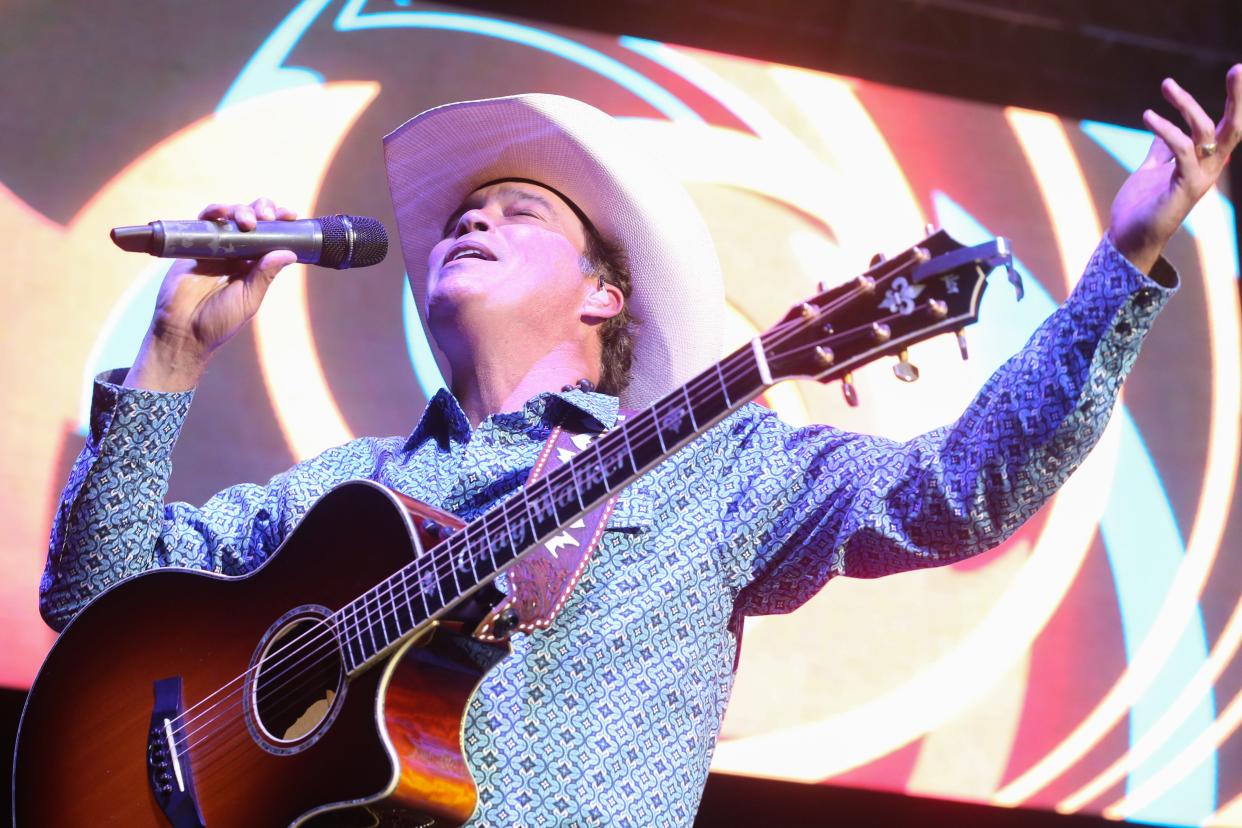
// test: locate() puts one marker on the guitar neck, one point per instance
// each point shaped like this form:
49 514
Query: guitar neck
429 587
926 290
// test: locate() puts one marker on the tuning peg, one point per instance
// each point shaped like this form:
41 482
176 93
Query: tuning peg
848 391
824 355
961 345
938 308
905 370
1014 279
808 311
881 332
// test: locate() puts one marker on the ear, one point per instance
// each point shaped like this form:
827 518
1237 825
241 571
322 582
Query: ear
602 302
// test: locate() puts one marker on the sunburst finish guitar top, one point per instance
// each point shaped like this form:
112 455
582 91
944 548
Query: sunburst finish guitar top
389 736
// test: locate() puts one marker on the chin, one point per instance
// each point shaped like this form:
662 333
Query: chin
455 289
462 305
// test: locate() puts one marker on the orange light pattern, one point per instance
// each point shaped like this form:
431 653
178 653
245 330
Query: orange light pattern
802 177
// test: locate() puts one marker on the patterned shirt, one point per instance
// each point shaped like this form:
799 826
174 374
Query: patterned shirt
610 716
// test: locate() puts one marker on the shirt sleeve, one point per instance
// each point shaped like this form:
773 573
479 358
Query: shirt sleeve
112 521
818 502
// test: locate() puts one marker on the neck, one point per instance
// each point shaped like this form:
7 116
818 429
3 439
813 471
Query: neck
492 380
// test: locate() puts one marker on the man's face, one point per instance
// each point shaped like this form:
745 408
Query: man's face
510 255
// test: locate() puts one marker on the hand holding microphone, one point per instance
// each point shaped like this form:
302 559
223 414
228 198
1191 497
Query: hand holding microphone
334 241
197 311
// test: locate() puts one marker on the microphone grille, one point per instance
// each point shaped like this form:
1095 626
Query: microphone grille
370 241
335 241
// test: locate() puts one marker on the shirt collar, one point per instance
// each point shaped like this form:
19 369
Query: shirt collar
445 420
584 410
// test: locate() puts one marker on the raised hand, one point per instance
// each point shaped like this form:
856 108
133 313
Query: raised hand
202 304
1179 168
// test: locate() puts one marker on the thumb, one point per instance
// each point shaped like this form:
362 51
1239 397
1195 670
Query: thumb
260 277
266 268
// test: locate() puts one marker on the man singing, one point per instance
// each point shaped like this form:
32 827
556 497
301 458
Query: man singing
562 276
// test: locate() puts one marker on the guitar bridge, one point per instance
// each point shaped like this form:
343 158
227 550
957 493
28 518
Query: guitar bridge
168 760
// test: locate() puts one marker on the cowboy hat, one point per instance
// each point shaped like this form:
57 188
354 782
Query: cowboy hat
437 158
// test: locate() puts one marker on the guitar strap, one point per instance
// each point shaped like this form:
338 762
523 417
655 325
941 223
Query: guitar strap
540 583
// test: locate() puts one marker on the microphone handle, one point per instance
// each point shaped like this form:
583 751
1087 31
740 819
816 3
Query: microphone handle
223 240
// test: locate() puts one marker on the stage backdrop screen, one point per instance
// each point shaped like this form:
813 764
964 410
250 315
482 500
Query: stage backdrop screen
1089 664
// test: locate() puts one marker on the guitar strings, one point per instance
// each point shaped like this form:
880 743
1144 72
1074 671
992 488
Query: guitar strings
316 641
430 565
320 641
434 568
392 594
434 562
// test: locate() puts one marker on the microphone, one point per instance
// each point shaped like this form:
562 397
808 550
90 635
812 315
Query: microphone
332 241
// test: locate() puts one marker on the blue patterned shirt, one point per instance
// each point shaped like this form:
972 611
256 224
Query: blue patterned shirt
611 716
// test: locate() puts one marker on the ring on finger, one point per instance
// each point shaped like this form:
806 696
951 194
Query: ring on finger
1206 149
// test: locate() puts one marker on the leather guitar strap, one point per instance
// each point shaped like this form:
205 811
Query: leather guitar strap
541 581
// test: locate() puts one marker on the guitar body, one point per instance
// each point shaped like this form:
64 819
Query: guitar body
277 746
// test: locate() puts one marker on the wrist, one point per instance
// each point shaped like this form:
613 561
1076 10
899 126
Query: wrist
1142 255
167 362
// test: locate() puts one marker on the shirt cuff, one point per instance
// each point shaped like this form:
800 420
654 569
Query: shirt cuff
1112 275
135 421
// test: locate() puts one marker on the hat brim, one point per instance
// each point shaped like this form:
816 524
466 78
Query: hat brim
437 158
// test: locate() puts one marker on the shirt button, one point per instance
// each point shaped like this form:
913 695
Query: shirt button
1144 298
262 514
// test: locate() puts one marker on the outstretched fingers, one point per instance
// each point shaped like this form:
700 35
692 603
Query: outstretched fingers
1202 130
1177 142
1229 131
1222 138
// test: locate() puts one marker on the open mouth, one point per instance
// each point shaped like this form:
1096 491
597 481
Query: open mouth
468 250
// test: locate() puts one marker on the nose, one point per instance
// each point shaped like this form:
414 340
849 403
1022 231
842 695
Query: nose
470 221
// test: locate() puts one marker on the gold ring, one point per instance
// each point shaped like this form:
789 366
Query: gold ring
1206 150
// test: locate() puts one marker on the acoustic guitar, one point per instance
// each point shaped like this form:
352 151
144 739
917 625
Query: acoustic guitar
328 686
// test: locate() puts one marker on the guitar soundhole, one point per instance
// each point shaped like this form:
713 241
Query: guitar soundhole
298 680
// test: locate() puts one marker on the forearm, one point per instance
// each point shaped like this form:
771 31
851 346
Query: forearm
110 515
112 521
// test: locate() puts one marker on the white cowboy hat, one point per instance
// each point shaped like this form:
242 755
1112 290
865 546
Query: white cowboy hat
438 157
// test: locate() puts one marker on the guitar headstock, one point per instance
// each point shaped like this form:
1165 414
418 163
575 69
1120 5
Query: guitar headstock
931 288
